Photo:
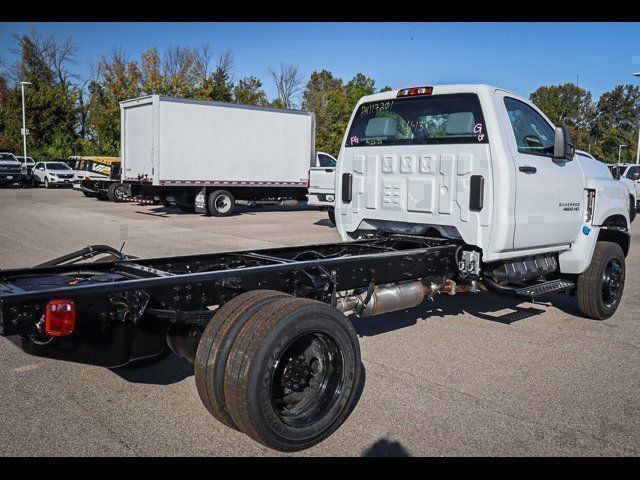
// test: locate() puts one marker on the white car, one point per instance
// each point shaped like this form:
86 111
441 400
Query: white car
52 174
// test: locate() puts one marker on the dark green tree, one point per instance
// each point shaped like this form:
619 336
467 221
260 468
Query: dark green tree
315 99
249 91
616 123
568 105
51 98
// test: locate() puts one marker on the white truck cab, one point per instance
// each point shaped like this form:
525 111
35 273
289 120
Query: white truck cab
485 166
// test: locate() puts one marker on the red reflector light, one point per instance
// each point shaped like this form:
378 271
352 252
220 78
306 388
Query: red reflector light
408 92
60 318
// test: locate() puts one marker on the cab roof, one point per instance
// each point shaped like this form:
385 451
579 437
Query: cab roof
438 90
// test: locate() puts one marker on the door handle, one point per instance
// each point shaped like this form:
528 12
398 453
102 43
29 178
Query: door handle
528 169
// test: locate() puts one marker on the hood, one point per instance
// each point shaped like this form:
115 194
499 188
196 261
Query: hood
10 163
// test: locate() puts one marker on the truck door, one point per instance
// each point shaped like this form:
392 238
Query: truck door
549 193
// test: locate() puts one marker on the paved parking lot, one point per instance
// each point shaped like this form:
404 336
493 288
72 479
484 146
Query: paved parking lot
466 375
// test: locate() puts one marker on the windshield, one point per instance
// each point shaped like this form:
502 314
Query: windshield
58 166
8 156
455 118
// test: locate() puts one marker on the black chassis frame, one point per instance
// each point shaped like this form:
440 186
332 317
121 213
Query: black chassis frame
130 308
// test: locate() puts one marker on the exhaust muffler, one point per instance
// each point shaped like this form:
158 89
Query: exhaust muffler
398 296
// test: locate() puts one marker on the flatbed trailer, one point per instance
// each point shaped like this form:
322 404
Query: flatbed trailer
232 308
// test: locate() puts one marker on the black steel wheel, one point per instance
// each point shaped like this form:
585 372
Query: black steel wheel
293 374
612 282
600 287
307 380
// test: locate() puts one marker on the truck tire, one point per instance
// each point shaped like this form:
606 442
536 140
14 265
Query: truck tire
332 216
221 203
293 374
116 192
600 287
215 344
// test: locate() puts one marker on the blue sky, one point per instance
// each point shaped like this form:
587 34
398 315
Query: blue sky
516 56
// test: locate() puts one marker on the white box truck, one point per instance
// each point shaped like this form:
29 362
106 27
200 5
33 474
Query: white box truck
206 156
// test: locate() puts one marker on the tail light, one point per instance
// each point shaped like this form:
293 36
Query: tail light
409 92
60 318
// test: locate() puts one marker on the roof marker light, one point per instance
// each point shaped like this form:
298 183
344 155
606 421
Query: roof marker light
409 92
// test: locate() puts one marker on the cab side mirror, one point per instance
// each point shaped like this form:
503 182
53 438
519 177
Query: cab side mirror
563 146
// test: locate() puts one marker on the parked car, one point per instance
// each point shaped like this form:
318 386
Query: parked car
11 170
52 174
30 163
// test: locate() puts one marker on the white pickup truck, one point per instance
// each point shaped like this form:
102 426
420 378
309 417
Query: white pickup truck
322 178
484 166
440 190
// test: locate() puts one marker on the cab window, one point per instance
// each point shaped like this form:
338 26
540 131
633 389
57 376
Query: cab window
421 120
633 173
326 161
534 135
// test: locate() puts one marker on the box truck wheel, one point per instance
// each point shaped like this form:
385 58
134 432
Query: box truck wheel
116 192
293 373
600 286
215 344
221 203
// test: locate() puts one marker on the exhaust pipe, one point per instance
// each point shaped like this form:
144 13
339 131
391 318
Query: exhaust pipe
398 296
281 203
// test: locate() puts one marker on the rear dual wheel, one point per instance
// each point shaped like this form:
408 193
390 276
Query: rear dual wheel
117 192
221 203
283 370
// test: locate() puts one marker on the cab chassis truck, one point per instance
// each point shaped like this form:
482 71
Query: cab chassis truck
275 355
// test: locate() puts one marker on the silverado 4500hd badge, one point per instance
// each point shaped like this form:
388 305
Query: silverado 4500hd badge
570 206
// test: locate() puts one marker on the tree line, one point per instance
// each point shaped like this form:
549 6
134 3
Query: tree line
68 115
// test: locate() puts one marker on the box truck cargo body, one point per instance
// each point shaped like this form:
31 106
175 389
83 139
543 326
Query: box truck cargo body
179 148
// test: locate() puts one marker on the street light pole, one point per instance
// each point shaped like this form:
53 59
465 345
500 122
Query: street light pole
637 74
24 124
620 150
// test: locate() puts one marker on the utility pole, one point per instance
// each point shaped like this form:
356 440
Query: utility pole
620 150
637 74
24 124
